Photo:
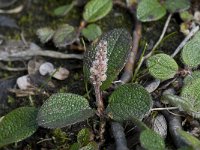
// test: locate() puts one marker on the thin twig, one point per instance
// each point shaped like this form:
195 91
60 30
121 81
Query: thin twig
174 123
156 45
161 36
12 11
28 53
191 34
166 108
4 67
128 70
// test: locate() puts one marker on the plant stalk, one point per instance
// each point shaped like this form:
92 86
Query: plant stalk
100 113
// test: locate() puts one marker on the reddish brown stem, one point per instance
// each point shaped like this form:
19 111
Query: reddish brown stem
100 113
128 70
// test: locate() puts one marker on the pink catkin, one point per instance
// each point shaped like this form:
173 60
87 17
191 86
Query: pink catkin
99 65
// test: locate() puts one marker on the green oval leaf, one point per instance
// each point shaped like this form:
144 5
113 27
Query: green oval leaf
150 10
18 125
64 9
91 32
119 46
63 109
177 5
191 77
191 51
65 35
162 66
151 140
191 94
96 9
128 101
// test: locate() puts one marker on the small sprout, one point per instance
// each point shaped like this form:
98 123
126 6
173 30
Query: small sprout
24 82
60 74
45 34
46 68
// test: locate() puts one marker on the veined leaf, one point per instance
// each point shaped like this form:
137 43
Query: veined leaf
91 32
45 34
96 9
65 35
191 51
150 10
162 66
63 109
177 5
151 140
18 125
191 93
129 101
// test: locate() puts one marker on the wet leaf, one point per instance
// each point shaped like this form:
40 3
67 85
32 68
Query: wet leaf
45 34
177 5
150 10
162 66
119 46
65 35
129 101
96 9
193 142
63 109
190 53
64 9
151 140
18 125
91 32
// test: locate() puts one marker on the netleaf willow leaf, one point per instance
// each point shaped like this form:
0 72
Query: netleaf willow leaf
96 9
91 32
65 35
177 5
150 10
191 93
191 51
129 101
162 66
63 109
118 49
151 140
18 125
